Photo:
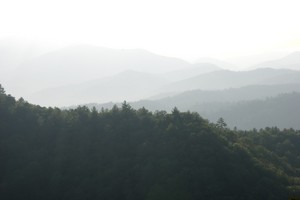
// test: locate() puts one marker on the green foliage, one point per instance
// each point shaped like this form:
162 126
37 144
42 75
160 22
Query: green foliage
221 124
2 91
122 153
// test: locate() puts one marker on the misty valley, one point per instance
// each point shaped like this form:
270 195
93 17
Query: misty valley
87 122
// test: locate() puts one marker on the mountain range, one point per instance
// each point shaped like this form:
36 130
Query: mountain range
83 74
133 86
82 63
247 107
291 61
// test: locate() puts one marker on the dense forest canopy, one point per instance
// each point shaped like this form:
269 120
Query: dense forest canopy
123 153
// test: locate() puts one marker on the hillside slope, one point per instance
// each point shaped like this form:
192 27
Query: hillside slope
282 111
47 153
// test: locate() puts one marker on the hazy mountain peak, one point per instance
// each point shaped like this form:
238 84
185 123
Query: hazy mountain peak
79 63
195 69
291 61
217 62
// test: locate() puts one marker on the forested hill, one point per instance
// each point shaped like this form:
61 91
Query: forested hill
122 153
282 111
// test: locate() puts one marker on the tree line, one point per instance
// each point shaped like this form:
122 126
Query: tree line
123 153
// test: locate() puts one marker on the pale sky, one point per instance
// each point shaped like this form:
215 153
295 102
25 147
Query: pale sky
187 29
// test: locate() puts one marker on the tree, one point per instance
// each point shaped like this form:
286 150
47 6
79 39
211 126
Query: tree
221 123
2 91
126 107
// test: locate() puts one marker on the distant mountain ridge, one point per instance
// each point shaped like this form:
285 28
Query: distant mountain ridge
132 86
222 64
282 111
128 85
195 69
80 63
84 73
223 79
246 108
291 61
189 99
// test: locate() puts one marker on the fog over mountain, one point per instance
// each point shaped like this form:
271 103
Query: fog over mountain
14 52
80 74
188 100
217 62
133 86
76 64
247 107
127 85
291 61
149 100
248 61
194 69
223 79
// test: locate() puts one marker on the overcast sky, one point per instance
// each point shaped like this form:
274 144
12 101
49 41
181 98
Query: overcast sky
187 29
